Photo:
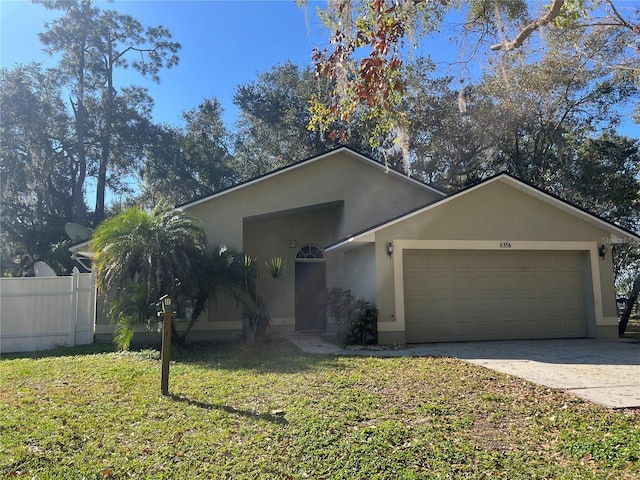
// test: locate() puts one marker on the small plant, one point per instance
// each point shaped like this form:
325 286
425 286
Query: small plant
364 324
356 320
256 315
276 267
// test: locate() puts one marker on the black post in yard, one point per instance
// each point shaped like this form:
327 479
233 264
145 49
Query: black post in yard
166 351
167 314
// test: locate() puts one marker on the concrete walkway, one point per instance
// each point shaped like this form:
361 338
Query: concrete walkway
600 371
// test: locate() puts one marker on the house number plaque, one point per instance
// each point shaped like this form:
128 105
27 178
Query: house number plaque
505 244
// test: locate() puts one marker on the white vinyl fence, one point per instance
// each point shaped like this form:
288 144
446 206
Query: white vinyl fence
46 312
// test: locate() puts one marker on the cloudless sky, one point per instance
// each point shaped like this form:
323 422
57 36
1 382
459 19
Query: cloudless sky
224 44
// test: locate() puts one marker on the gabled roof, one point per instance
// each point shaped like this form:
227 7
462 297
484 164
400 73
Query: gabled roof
301 163
619 234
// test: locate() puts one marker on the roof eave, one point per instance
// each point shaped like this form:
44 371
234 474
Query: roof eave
351 242
301 163
625 236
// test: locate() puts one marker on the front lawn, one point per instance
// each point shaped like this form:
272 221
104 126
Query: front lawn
270 411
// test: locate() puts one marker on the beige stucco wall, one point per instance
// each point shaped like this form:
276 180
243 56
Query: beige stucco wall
369 194
317 202
497 211
359 273
494 212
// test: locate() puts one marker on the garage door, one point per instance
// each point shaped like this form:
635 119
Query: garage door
493 295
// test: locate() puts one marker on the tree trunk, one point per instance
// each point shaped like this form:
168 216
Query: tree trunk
632 298
80 117
108 105
78 188
176 338
102 182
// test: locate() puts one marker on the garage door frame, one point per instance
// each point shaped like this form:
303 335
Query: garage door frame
595 318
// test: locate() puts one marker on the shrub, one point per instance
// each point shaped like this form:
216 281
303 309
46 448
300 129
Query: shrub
356 319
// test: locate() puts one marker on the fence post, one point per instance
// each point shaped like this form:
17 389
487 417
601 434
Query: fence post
94 304
73 308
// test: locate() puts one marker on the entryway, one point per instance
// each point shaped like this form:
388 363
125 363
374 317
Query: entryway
310 280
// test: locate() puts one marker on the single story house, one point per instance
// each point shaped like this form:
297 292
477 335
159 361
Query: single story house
498 260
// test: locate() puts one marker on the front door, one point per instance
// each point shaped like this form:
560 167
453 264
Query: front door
310 290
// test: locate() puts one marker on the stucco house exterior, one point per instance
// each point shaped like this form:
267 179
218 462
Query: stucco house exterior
499 260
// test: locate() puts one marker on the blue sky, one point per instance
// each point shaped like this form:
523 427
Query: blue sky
224 44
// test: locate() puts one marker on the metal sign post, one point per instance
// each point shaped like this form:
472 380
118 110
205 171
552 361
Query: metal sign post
167 314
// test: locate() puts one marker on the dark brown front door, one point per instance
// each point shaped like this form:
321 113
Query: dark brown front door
310 289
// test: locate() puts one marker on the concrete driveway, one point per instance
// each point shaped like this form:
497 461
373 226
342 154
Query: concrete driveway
600 371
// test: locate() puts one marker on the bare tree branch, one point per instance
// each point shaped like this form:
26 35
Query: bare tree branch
622 21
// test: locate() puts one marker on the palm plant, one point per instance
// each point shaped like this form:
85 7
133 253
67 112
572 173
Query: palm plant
237 274
142 255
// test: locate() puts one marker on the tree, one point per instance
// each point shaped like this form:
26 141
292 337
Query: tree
607 180
93 44
526 117
365 62
189 162
143 255
37 177
164 173
449 148
272 126
565 16
370 44
132 133
206 147
120 36
545 109
71 35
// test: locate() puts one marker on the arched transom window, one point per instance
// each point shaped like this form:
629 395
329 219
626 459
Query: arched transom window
310 253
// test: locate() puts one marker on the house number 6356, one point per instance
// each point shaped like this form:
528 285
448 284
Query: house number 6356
505 244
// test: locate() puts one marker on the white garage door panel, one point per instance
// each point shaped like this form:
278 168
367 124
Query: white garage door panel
482 295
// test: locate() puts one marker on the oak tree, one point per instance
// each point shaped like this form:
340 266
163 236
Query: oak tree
370 45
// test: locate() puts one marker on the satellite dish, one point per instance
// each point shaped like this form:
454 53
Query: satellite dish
77 232
41 269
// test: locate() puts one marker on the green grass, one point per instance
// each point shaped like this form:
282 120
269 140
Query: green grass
270 411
